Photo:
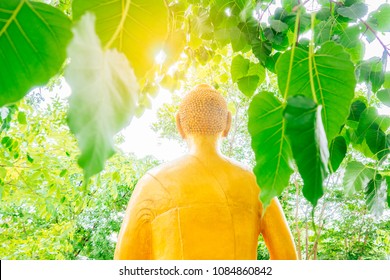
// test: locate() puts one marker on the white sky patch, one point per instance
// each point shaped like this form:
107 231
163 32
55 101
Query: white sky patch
141 140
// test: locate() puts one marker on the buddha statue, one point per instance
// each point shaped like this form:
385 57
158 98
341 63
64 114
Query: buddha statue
202 205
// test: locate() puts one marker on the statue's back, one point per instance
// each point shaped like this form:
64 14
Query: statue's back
204 212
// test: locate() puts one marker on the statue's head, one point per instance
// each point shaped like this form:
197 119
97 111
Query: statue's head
203 111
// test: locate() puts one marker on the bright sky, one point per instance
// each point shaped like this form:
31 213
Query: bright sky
141 140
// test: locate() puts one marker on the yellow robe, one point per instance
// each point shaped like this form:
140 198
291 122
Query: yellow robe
197 209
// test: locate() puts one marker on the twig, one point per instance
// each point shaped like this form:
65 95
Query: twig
376 36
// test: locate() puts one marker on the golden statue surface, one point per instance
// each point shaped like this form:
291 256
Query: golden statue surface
203 205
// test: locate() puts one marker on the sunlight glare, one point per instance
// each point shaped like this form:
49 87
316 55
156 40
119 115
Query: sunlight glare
160 57
228 12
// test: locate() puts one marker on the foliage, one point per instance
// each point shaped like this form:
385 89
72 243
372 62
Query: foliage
45 213
29 62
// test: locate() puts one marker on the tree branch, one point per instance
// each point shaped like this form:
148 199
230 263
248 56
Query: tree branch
376 36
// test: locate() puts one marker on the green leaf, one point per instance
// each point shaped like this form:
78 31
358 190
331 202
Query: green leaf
384 96
248 75
337 151
272 150
218 15
323 31
63 172
370 119
271 61
7 142
278 25
201 24
309 146
30 159
357 52
388 190
375 195
258 70
350 36
288 5
377 141
22 117
386 83
239 67
238 39
3 172
104 95
357 10
356 176
33 39
356 110
371 71
334 82
323 14
248 84
137 28
261 49
380 19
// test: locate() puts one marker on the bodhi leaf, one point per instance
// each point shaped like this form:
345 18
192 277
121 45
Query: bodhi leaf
376 196
380 19
137 28
272 150
104 95
388 190
384 96
371 71
261 49
337 151
278 25
370 119
239 67
355 11
246 74
333 78
306 134
386 83
248 84
377 141
356 176
30 58
356 110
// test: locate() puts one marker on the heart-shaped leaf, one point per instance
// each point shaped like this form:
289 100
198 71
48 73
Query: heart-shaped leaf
337 151
104 95
33 40
272 150
137 28
333 77
306 134
356 176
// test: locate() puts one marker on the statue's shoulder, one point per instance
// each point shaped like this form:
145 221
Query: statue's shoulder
240 166
171 167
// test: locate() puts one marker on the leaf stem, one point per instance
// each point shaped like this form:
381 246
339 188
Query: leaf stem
125 11
311 56
296 29
376 36
12 18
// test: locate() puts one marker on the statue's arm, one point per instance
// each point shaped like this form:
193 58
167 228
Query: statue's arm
277 234
134 239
